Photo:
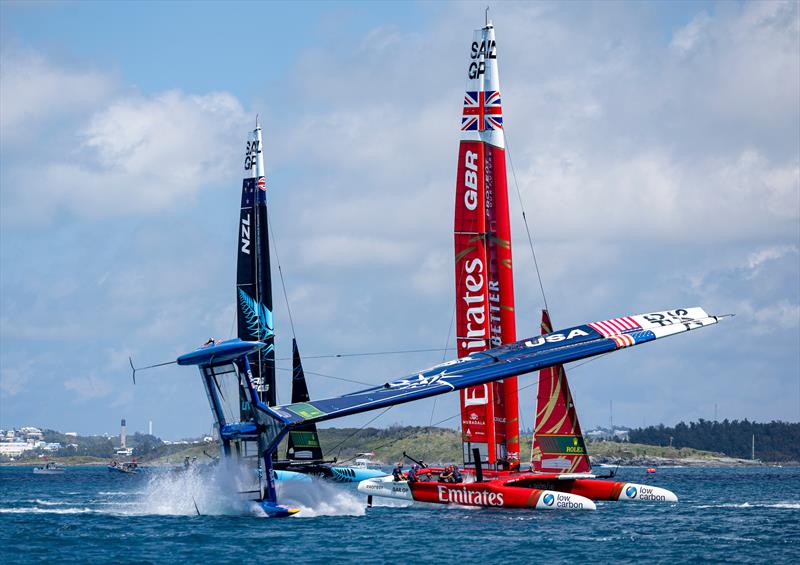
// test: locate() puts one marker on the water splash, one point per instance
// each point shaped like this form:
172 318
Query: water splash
201 490
320 498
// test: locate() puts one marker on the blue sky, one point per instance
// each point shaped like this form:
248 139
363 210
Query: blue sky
655 145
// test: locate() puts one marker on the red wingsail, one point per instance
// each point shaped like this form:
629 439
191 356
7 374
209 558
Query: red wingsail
558 445
483 270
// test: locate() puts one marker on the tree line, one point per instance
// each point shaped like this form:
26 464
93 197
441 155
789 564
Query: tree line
774 441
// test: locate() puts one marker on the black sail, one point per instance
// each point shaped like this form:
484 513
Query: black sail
253 277
303 440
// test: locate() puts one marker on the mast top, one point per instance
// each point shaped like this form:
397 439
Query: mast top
488 21
258 124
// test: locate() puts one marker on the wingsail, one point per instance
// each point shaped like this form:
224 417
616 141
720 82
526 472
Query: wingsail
483 270
304 439
558 445
560 347
253 277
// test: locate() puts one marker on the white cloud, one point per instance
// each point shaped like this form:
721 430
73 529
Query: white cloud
126 154
685 39
34 91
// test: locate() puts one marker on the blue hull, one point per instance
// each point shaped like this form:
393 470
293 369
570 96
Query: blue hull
355 474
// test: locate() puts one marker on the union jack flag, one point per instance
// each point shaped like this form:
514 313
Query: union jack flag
482 111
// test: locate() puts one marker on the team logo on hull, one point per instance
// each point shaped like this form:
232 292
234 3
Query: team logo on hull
469 497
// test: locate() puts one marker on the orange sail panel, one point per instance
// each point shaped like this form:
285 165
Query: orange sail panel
558 445
484 278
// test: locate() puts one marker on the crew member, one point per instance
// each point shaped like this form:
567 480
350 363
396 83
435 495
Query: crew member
457 478
446 476
412 473
397 473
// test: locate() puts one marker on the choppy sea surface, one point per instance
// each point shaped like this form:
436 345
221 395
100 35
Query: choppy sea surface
89 515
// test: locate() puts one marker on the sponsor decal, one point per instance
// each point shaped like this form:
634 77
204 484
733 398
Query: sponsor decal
671 317
647 493
479 52
561 444
251 153
630 492
548 499
476 395
420 381
475 298
305 410
469 497
555 338
262 183
565 501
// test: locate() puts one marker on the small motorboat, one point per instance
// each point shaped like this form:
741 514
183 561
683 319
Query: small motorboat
127 467
49 468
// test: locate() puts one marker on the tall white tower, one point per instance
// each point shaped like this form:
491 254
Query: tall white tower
122 434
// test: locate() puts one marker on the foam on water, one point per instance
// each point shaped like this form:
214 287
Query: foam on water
36 510
786 505
320 498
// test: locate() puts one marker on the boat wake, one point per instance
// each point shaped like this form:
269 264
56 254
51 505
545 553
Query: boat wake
784 505
320 498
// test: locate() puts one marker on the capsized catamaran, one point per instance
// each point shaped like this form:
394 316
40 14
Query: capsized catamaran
483 272
226 366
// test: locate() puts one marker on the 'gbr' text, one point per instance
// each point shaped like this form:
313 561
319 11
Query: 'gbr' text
471 180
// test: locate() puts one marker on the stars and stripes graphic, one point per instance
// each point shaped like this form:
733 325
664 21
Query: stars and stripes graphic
615 326
482 111
623 340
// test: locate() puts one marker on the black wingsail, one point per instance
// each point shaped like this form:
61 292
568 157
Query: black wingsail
253 277
303 440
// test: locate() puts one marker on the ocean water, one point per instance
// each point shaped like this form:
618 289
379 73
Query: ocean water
88 515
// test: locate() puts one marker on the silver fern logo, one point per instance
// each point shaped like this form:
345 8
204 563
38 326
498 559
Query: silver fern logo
256 316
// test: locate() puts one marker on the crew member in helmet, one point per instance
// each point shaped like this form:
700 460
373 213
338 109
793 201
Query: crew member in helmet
397 472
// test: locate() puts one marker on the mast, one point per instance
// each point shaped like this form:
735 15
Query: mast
483 270
558 445
253 277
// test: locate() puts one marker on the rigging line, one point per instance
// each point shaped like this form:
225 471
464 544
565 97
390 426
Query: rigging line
338 445
330 377
395 440
368 353
445 350
525 220
534 383
280 273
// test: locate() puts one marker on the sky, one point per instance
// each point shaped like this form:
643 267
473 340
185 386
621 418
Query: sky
655 146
